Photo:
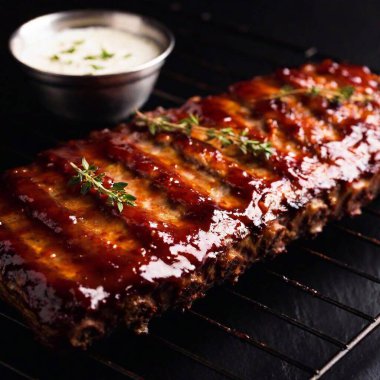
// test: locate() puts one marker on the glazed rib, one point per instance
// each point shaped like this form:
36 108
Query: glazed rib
76 268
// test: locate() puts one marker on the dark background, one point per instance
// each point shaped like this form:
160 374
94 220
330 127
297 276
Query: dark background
260 35
218 42
341 28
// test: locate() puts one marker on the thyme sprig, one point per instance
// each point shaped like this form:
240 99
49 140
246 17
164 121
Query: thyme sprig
225 136
336 95
88 177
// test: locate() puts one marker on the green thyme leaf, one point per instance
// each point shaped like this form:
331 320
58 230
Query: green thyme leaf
194 119
74 181
225 136
119 185
333 95
314 91
347 92
85 188
120 207
88 178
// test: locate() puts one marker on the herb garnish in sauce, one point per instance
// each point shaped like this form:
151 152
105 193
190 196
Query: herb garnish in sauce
191 124
88 178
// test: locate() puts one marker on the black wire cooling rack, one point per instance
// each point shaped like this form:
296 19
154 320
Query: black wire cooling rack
295 317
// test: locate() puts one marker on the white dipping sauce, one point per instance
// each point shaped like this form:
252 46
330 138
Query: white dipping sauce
87 51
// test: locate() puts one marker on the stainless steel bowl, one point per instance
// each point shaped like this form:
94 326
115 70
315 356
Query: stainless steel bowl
103 98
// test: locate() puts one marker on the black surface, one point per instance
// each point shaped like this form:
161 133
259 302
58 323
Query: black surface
217 43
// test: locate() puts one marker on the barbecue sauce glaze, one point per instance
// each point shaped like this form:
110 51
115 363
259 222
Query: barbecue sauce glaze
178 224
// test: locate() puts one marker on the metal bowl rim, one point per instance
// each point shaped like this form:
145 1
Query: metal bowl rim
140 68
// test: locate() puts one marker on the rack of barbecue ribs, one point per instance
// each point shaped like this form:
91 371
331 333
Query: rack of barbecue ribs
220 183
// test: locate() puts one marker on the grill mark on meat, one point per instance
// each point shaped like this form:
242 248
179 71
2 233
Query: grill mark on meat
41 279
153 232
181 180
232 169
283 130
61 163
216 110
43 207
358 76
218 114
237 175
280 113
177 246
258 185
292 133
289 153
36 265
83 212
340 116
161 174
89 254
17 228
297 124
353 119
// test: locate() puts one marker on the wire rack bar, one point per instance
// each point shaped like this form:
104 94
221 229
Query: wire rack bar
106 362
289 319
14 320
196 358
130 374
167 96
353 343
122 370
115 367
319 295
254 342
16 371
340 264
357 234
